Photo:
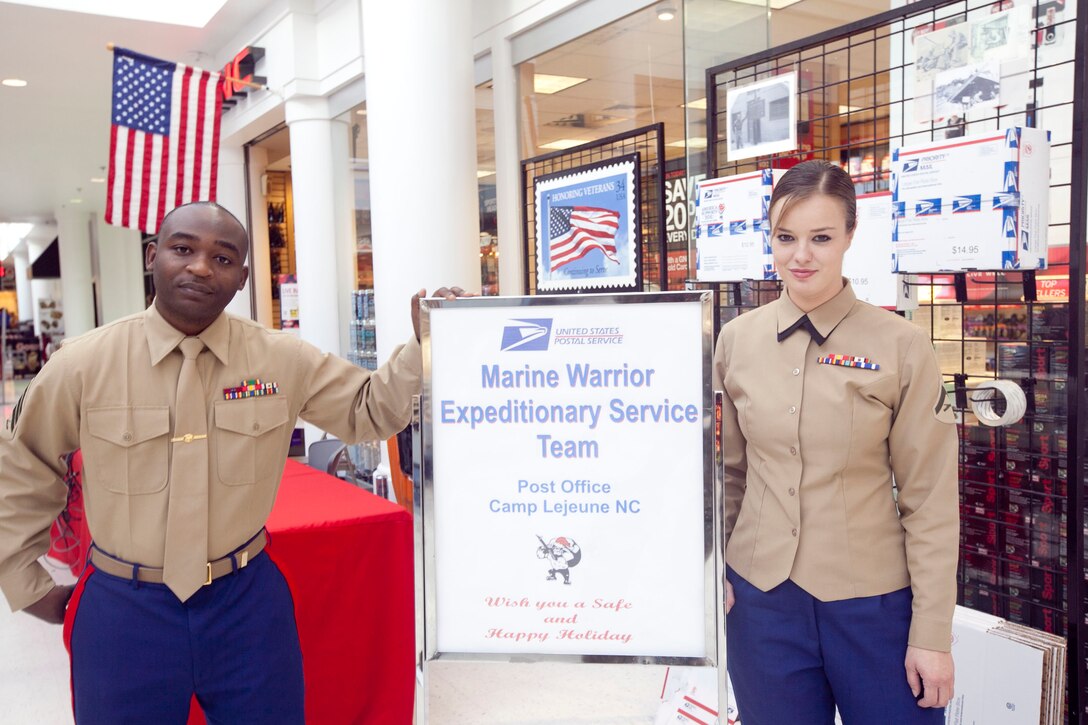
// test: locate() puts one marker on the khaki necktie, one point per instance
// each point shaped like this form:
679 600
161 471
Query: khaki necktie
185 567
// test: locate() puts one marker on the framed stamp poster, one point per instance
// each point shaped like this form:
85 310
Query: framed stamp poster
587 227
568 499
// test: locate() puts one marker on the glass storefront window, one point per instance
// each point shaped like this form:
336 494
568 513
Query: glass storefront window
485 175
618 78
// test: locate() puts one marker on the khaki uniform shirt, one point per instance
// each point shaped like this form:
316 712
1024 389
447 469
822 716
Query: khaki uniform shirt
810 451
112 393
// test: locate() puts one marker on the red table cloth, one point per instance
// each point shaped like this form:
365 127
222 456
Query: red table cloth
347 557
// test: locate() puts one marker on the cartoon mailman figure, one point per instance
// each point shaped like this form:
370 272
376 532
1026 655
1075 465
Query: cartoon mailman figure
561 553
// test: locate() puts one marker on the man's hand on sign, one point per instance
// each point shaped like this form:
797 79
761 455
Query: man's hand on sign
446 293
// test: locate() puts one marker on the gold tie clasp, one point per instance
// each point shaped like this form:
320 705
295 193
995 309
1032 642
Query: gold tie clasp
188 438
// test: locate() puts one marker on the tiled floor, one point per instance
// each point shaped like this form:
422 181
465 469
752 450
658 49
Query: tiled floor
477 693
33 668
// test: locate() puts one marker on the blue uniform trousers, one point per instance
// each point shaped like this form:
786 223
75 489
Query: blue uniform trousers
139 654
793 658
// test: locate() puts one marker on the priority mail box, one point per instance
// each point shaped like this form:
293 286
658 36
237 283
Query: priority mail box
868 262
732 233
972 203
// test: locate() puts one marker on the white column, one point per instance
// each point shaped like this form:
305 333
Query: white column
22 285
45 288
120 271
319 163
424 205
313 168
507 170
260 264
231 195
343 183
73 227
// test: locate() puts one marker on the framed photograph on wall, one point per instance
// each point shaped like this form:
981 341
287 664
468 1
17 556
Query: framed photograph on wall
587 227
761 117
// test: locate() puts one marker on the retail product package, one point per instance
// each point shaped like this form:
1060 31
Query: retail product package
690 695
868 262
732 234
974 203
1005 672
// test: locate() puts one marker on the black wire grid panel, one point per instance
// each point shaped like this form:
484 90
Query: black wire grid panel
649 143
1021 485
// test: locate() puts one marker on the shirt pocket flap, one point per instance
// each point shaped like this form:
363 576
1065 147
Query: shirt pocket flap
253 417
127 426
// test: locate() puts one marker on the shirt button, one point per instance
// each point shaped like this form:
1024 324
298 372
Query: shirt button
794 532
793 409
793 492
126 436
793 451
797 371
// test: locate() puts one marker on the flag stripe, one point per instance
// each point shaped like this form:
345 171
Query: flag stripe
198 133
164 178
112 176
137 153
145 178
153 188
127 197
185 152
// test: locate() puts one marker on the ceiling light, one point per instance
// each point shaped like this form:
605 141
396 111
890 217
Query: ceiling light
97 180
666 13
549 84
849 109
361 112
563 143
695 142
775 4
699 103
483 173
75 201
13 82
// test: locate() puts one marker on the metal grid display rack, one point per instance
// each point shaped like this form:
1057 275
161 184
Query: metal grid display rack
1022 486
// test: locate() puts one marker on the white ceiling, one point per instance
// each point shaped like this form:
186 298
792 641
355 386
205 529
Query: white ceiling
54 133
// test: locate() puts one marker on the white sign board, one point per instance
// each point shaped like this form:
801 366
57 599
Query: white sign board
570 491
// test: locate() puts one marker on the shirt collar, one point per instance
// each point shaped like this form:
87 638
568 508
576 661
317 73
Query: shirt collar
824 318
162 337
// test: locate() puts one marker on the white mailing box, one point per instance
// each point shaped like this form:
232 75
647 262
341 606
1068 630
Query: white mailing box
732 234
868 262
979 202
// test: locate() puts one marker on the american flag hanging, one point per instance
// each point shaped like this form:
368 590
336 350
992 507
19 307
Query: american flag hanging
164 139
575 231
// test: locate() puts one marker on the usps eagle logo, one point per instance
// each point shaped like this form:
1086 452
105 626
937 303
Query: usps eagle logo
560 555
531 334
